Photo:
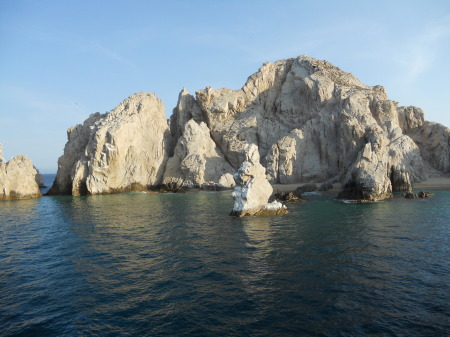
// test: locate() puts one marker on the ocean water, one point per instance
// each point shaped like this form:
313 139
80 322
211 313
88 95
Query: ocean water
141 264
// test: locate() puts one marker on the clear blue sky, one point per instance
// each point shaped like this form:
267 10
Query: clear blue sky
63 60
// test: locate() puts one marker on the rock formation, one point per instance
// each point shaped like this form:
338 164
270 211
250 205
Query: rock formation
124 150
314 122
253 190
309 120
421 194
287 197
186 109
40 179
308 187
381 167
433 140
197 162
18 178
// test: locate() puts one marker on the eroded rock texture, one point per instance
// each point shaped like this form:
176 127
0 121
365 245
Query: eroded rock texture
124 150
197 161
312 121
309 120
19 179
253 190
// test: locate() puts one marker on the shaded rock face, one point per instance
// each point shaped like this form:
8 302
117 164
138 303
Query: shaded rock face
253 190
186 109
433 140
18 178
124 150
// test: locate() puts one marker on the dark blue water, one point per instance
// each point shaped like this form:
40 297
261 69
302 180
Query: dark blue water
177 264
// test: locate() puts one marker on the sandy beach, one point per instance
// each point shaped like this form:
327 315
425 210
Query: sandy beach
292 187
435 183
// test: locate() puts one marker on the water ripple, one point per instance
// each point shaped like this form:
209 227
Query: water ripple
177 264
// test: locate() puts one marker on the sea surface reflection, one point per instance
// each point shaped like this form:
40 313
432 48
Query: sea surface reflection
142 264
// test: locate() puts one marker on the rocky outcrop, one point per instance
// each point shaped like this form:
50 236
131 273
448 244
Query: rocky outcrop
305 188
40 180
433 140
301 114
18 178
288 197
124 150
421 194
314 122
309 120
197 161
253 190
186 109
383 166
367 179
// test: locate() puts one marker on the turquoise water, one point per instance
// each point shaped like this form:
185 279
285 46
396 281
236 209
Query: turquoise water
177 264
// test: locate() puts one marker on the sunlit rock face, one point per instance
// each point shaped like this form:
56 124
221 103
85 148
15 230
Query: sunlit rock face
309 120
253 190
124 150
19 179
197 161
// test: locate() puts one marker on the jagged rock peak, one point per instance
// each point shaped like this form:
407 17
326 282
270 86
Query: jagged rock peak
1 153
132 105
270 73
186 109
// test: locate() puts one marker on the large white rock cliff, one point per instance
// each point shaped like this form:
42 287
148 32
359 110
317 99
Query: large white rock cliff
19 179
309 120
312 122
124 150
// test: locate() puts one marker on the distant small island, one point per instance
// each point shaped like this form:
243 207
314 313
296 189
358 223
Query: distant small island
309 121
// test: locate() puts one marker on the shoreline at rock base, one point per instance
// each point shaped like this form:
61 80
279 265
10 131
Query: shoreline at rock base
434 183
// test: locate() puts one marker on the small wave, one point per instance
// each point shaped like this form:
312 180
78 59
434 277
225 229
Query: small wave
346 201
311 193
